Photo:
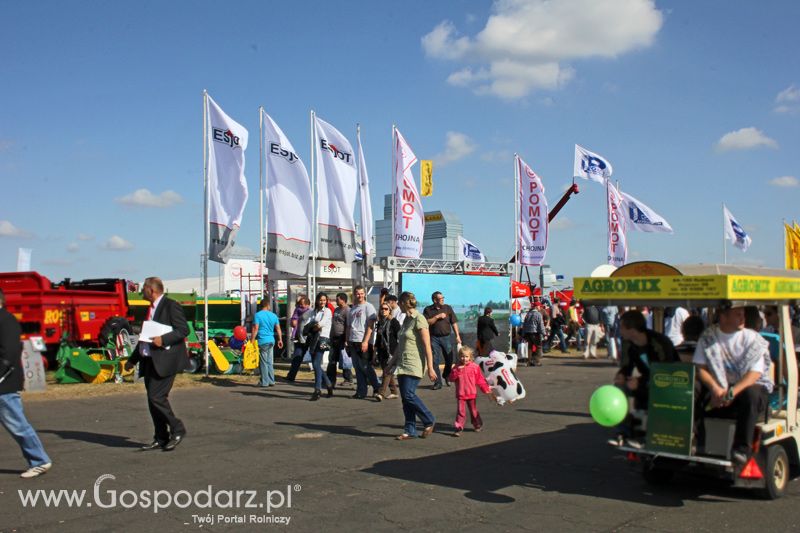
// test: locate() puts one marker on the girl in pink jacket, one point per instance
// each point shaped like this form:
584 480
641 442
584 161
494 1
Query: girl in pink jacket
467 378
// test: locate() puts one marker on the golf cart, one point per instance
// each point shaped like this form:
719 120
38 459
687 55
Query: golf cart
668 446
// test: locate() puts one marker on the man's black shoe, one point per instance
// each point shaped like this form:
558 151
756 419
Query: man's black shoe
173 443
739 457
437 386
155 445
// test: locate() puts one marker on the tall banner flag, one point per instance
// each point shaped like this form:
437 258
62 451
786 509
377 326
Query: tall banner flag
24 259
533 225
227 185
792 254
366 203
617 241
591 166
409 219
426 177
469 252
735 232
642 218
337 186
288 203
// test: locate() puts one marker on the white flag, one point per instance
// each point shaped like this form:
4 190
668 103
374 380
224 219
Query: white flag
534 213
366 203
227 185
288 203
337 186
24 259
641 218
591 166
469 252
735 232
409 219
617 242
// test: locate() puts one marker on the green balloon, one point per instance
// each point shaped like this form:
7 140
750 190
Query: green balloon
608 406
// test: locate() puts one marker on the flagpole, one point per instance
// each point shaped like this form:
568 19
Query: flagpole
724 245
261 243
516 219
393 181
361 199
311 276
207 230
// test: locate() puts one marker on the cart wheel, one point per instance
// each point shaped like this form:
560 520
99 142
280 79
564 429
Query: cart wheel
192 366
655 473
776 472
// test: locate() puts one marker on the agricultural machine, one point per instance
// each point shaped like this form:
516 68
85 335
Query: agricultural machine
84 325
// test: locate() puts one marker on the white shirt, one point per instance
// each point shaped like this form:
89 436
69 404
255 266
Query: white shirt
324 318
673 324
144 347
732 345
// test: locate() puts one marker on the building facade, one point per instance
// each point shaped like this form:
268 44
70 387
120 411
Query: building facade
440 240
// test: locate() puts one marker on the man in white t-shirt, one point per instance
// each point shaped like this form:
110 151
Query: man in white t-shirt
358 334
733 367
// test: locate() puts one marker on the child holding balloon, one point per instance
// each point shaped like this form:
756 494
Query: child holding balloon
468 378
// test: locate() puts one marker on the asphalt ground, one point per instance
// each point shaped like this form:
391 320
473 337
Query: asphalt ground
540 464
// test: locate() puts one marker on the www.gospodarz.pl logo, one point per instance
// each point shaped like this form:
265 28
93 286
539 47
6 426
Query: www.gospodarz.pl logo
106 496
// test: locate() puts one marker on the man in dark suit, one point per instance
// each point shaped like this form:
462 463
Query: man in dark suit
12 380
159 361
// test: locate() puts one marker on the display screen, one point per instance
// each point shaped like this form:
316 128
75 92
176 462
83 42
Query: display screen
468 296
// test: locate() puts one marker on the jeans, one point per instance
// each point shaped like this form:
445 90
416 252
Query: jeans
297 360
441 347
412 405
365 373
319 373
13 419
265 365
336 357
611 339
562 341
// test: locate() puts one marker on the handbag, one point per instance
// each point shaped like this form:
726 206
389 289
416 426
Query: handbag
324 344
347 362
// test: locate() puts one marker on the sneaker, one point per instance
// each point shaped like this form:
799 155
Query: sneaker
739 457
633 443
392 397
617 440
378 397
478 429
457 433
36 471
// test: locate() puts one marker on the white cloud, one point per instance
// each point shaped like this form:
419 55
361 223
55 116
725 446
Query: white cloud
73 247
524 42
788 100
85 237
785 181
457 146
497 155
145 198
745 139
7 229
117 244
561 223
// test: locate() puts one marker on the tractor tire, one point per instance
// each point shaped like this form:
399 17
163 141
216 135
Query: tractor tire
111 328
776 473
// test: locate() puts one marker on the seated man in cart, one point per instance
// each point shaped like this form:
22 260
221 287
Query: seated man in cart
640 348
733 368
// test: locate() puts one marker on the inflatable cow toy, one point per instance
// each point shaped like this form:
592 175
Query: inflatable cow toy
498 369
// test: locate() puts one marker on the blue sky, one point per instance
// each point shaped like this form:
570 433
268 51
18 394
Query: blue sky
694 103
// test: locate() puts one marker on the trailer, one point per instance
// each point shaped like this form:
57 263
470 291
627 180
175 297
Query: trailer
83 324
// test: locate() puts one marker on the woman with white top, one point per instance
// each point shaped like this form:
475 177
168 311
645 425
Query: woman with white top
323 318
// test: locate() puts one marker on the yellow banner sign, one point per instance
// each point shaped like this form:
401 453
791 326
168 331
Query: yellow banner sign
718 287
426 177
